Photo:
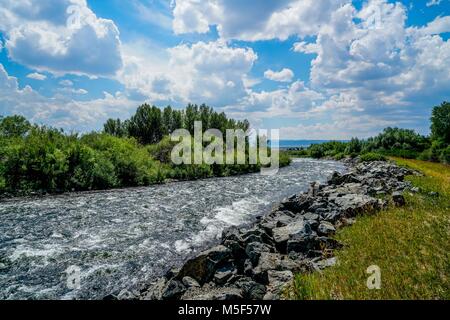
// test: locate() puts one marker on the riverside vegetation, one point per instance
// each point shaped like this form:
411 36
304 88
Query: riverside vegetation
135 152
395 142
410 244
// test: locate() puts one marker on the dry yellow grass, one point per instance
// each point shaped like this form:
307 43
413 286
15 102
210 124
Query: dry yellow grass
411 245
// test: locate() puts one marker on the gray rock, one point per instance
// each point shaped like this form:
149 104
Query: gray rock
251 290
322 264
211 292
353 204
325 228
173 290
398 199
155 290
311 216
203 266
188 282
283 234
224 274
254 250
267 261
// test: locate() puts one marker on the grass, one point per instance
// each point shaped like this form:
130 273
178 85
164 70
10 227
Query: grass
411 245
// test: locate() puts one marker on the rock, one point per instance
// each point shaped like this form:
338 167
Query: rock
297 204
203 266
311 216
127 295
283 234
314 189
353 204
325 228
188 282
267 261
278 283
232 233
398 199
338 179
256 235
254 250
251 290
155 291
211 292
237 251
433 194
173 290
224 274
332 216
110 297
415 189
172 273
322 264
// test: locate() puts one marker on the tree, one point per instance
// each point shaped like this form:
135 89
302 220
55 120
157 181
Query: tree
115 128
440 123
14 126
146 125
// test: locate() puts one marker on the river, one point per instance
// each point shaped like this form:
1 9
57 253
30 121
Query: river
125 238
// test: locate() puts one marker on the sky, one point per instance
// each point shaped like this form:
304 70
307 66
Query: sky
315 69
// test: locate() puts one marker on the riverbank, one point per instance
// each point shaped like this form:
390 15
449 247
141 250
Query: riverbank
409 244
296 237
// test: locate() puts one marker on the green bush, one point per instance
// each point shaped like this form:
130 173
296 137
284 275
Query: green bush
445 155
371 156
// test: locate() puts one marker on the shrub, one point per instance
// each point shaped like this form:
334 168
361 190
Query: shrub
371 156
445 155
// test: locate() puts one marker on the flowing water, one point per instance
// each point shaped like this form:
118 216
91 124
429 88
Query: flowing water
125 238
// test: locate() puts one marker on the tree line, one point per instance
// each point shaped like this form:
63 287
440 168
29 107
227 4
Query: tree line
136 152
150 124
397 142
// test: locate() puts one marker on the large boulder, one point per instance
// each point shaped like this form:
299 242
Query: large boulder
203 267
283 234
325 228
173 290
255 249
353 204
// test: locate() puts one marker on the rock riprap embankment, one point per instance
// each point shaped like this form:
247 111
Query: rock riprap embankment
296 236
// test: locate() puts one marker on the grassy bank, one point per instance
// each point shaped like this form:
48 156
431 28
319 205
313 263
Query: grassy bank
411 245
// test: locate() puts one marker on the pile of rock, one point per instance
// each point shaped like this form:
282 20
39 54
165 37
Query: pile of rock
258 263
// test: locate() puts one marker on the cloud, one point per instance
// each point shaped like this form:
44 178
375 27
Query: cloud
246 20
61 110
66 83
437 26
61 37
433 3
37 76
284 75
213 73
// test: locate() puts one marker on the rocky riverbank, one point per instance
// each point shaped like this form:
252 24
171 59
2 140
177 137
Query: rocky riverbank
259 263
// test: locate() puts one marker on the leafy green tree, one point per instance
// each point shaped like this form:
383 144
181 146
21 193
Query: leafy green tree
115 127
440 122
146 125
14 126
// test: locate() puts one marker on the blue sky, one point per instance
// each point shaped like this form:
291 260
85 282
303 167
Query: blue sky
315 69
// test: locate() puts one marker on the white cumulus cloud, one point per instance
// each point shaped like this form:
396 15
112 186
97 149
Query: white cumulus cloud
60 36
37 76
284 75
